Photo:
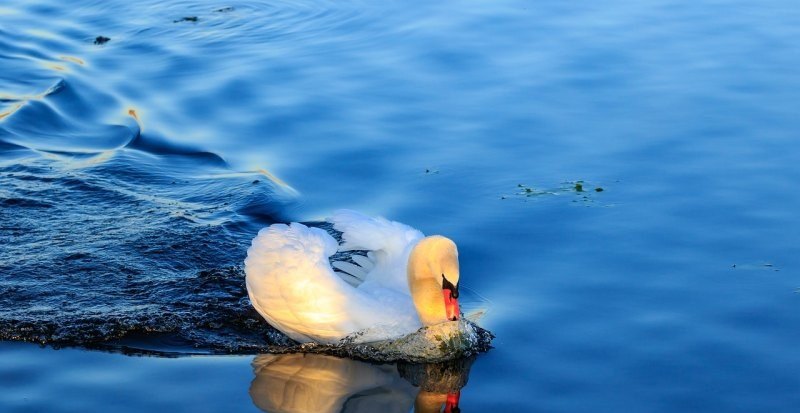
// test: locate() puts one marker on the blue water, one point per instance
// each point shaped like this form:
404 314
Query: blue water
672 289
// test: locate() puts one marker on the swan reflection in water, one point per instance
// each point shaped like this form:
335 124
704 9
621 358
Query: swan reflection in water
305 383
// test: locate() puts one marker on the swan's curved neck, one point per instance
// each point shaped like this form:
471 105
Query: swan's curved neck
433 279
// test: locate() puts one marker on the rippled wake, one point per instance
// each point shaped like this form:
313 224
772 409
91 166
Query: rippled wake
112 236
116 237
108 253
123 252
131 244
115 232
139 251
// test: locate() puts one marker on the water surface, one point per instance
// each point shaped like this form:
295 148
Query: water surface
672 289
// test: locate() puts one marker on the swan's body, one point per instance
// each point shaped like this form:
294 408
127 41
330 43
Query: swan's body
397 288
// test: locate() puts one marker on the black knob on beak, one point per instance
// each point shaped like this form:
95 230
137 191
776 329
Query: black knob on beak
447 285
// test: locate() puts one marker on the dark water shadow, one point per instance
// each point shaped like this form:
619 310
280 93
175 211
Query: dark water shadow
108 249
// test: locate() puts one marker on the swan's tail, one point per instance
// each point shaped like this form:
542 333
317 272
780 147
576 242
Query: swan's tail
287 274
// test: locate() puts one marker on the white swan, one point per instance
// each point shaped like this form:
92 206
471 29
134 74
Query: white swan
406 280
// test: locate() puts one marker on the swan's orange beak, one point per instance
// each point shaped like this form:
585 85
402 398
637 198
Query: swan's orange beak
451 406
451 305
450 292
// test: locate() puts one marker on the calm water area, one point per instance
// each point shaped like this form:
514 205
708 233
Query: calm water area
621 178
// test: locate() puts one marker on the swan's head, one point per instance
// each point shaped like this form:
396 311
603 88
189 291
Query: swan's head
433 279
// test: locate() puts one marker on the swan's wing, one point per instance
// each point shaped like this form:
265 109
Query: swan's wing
362 232
291 284
353 268
387 242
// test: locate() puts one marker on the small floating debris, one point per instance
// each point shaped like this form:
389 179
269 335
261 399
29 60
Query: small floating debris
431 171
529 192
224 10
764 266
580 188
100 40
192 19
